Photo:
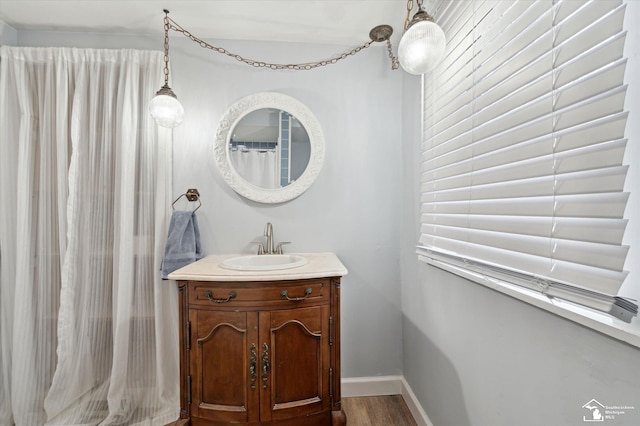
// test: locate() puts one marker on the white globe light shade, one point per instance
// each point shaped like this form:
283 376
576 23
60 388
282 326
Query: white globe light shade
421 47
166 110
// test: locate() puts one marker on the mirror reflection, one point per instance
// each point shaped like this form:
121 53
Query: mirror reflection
293 149
269 148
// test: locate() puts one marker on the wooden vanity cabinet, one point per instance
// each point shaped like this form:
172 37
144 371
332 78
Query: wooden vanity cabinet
260 353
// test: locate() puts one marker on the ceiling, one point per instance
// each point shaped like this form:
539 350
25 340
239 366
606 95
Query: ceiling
330 21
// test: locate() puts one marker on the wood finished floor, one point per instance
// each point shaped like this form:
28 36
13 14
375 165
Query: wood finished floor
387 410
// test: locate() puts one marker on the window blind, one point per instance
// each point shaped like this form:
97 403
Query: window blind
522 175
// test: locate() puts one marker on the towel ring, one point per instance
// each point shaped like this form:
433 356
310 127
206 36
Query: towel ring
192 194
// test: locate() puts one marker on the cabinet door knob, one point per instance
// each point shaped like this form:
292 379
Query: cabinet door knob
209 295
307 293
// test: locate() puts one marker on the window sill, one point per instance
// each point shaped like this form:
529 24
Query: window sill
605 324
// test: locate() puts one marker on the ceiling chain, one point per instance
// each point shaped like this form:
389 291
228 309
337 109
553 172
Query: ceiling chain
173 25
166 47
395 62
406 19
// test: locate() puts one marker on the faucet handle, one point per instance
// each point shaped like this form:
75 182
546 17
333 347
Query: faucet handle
279 247
260 246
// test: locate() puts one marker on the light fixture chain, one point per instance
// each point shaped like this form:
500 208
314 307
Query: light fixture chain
406 20
260 64
394 60
166 49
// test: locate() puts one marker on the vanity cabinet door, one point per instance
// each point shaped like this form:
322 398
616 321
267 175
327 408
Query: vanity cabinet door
224 365
295 362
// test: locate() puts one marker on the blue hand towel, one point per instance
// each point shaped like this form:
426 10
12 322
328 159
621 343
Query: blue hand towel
183 242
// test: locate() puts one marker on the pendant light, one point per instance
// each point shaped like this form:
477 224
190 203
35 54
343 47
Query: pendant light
165 108
423 43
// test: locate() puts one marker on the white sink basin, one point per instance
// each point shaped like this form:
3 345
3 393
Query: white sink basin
264 262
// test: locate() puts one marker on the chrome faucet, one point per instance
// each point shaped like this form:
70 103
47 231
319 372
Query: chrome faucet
269 249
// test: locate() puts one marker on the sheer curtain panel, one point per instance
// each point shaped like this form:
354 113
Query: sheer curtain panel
522 174
88 329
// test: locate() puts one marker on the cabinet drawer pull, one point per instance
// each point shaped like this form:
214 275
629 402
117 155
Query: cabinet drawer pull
285 294
252 366
209 295
265 365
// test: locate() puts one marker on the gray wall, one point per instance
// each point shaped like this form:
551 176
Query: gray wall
8 35
353 208
474 356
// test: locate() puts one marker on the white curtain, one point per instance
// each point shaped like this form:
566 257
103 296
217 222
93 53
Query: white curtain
259 168
88 330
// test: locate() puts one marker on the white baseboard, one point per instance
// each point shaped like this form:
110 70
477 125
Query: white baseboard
414 405
386 385
372 386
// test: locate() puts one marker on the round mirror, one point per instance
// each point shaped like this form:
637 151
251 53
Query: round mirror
269 147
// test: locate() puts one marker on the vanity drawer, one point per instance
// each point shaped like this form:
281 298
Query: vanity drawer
247 294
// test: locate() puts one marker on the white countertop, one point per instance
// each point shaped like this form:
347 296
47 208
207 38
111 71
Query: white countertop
208 269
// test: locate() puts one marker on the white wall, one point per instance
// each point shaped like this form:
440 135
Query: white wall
474 356
353 208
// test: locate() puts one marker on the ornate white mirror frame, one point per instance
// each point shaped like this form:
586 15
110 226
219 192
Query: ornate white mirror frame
252 103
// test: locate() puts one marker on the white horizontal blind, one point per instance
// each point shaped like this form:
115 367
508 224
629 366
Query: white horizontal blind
522 174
